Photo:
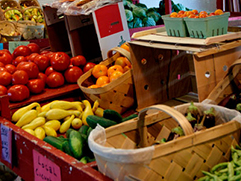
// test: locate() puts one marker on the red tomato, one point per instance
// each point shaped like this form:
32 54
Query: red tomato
21 50
30 67
2 64
55 79
60 61
10 68
2 69
88 66
78 60
31 57
5 57
42 76
5 78
34 47
72 74
6 50
49 55
20 77
42 62
19 59
3 90
49 70
36 86
18 93
44 52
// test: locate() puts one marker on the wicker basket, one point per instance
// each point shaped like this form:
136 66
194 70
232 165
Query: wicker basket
184 158
230 84
119 94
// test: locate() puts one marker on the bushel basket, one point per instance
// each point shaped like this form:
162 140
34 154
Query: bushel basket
130 150
118 95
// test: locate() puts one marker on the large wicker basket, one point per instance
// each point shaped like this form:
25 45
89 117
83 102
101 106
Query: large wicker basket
118 155
119 94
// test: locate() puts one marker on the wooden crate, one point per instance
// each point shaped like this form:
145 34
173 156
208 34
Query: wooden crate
165 67
24 145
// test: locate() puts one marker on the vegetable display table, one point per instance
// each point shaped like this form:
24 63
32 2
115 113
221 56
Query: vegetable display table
167 67
34 159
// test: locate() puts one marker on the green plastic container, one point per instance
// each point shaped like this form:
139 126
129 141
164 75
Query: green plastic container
207 27
175 26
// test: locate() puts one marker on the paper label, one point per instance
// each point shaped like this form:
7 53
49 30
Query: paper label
6 140
14 44
1 46
109 20
45 169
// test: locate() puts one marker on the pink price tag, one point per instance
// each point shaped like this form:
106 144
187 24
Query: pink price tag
44 169
6 141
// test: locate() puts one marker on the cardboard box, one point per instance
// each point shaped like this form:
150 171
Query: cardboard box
89 35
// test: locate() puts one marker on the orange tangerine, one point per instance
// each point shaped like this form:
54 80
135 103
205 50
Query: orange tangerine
99 70
115 75
181 12
102 80
93 86
114 68
173 15
125 46
122 61
218 12
195 11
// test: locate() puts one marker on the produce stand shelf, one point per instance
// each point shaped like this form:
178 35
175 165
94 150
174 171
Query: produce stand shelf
24 144
166 67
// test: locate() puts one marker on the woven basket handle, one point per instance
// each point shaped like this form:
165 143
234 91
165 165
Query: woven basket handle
122 51
179 117
224 83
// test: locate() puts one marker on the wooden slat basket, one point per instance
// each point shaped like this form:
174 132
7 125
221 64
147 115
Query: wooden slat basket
130 151
229 85
119 94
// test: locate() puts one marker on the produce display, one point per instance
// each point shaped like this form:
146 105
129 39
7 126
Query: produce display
66 125
33 14
226 170
28 71
11 14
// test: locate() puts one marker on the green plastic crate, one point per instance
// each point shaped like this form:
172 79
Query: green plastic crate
175 26
207 27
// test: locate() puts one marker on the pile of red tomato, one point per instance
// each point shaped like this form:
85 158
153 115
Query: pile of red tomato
28 70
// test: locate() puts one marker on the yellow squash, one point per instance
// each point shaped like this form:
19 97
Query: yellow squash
27 118
66 105
87 111
55 124
39 133
49 131
39 121
20 112
60 114
76 123
30 131
66 124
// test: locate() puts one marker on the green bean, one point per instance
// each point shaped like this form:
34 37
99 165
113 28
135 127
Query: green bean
203 178
219 166
230 170
214 177
235 178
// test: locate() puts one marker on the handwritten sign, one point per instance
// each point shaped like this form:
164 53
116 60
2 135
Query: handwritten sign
14 44
1 46
6 140
45 169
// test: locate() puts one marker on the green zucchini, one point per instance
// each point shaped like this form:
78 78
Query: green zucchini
92 121
66 148
83 129
55 142
68 132
88 131
129 117
76 143
112 115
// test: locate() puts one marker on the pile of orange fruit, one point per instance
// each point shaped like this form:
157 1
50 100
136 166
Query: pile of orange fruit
195 14
105 74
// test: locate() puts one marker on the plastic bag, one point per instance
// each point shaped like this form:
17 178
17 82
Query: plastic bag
83 7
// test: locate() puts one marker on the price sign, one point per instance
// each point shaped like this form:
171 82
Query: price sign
45 169
1 46
14 44
6 140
